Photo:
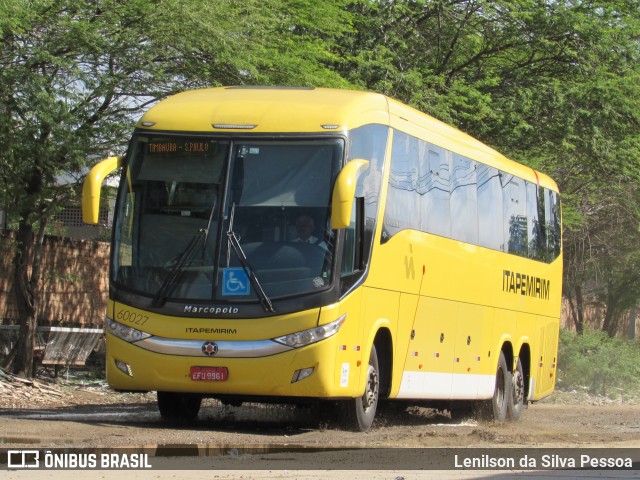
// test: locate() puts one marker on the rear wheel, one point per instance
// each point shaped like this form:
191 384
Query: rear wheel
178 406
360 412
515 405
496 408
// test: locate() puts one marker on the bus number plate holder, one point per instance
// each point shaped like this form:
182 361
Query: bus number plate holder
209 374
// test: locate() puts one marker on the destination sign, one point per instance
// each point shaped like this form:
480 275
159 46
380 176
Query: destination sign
177 147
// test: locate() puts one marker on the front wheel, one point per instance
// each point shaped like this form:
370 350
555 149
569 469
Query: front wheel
360 412
178 406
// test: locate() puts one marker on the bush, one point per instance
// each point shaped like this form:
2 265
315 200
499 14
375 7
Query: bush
603 365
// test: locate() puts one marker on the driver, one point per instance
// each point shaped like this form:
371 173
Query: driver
305 227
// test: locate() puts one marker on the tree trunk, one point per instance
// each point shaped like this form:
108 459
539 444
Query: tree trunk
631 331
611 323
25 300
577 308
613 313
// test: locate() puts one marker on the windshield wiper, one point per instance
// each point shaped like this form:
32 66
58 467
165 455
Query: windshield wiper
181 262
234 240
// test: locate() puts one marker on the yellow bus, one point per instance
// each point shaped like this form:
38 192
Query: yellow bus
288 244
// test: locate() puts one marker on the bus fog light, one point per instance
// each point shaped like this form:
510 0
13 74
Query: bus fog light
301 374
124 367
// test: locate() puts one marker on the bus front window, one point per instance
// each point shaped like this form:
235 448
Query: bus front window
278 206
168 207
181 197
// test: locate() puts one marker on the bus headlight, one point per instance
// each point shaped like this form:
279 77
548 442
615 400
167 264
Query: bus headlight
123 332
313 335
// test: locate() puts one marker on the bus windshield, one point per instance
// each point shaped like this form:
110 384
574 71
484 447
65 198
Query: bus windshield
214 219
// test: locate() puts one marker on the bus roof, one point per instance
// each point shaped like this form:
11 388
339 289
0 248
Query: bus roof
313 110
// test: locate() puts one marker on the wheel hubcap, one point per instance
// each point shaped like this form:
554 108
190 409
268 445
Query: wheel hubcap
518 388
371 393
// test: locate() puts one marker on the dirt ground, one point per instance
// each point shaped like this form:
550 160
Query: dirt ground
270 442
86 412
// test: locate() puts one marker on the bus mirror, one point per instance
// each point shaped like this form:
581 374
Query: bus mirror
92 186
344 192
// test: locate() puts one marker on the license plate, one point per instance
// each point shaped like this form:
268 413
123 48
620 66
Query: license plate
209 374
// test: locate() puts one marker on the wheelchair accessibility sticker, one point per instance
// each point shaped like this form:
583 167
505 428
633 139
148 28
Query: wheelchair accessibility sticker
235 282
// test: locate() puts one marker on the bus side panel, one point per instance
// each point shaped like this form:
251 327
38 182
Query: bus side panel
381 309
545 362
406 316
348 371
429 361
475 324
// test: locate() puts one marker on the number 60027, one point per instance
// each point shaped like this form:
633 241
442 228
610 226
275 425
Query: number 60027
132 317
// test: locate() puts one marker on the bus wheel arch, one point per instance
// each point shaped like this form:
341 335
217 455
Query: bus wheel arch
525 358
496 408
384 349
360 412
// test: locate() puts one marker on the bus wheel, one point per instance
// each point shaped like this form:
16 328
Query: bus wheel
360 412
178 406
496 408
515 406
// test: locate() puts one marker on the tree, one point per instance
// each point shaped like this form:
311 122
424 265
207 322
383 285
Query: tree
554 85
74 75
615 258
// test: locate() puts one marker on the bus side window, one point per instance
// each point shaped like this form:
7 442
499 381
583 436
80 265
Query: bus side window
515 214
435 191
464 200
552 220
490 205
535 232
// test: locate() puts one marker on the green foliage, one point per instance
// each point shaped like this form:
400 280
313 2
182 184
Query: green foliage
75 75
554 85
603 365
273 42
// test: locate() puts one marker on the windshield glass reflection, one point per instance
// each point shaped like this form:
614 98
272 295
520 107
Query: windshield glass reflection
180 199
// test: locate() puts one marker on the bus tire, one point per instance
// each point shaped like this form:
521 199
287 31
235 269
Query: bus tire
515 406
495 409
178 406
360 412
